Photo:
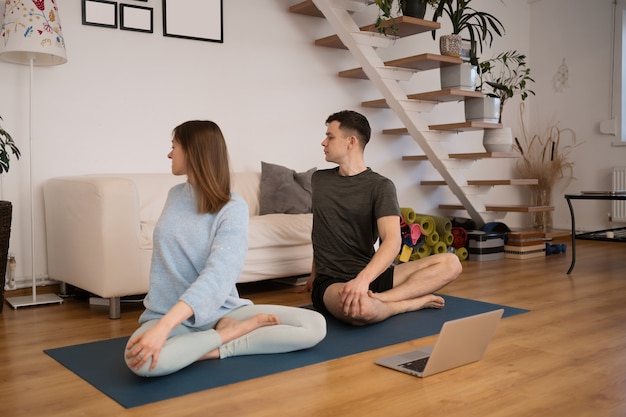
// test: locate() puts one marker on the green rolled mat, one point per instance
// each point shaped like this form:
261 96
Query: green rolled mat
416 255
432 238
408 214
447 238
443 225
440 247
424 251
462 253
427 223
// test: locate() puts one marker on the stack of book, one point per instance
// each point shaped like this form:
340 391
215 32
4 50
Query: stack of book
525 245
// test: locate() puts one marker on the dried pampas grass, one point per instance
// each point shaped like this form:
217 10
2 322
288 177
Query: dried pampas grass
545 157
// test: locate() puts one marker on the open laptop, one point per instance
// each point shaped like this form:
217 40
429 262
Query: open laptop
460 342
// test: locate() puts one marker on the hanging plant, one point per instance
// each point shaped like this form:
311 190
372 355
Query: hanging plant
6 144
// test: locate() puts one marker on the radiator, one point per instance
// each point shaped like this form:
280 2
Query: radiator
618 208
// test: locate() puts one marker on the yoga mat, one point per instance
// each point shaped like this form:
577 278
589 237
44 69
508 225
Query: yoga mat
427 223
101 363
408 214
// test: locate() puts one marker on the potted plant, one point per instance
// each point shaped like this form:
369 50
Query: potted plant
6 145
500 78
479 26
466 21
387 12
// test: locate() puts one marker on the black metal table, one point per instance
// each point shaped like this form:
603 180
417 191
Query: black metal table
619 233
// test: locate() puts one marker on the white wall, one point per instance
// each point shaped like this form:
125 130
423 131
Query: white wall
112 107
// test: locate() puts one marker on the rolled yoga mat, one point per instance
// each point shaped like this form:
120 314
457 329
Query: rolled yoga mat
462 253
447 238
432 238
439 247
427 223
408 214
443 225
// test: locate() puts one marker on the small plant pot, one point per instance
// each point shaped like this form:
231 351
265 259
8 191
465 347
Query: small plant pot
414 8
461 76
450 45
498 140
482 109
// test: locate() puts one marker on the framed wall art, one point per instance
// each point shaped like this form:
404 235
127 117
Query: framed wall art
136 18
101 13
199 20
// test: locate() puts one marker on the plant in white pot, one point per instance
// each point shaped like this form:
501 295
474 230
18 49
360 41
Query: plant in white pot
477 26
500 78
390 9
6 209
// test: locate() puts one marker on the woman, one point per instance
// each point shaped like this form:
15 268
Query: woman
193 310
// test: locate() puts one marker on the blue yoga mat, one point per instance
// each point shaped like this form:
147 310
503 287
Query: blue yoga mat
102 364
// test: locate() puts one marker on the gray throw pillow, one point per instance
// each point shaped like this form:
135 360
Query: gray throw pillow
284 190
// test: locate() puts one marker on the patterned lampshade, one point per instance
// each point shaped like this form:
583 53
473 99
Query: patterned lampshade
31 29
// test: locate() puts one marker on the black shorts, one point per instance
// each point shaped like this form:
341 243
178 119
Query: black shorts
321 283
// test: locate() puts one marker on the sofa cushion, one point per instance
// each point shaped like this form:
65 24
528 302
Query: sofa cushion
284 190
279 230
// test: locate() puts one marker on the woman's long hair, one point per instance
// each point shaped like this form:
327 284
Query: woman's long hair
207 161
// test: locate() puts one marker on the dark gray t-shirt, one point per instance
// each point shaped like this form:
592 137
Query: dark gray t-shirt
345 211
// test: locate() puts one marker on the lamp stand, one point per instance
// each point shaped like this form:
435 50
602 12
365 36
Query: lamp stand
34 299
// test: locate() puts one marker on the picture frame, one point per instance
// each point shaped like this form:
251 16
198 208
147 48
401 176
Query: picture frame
200 20
136 18
102 13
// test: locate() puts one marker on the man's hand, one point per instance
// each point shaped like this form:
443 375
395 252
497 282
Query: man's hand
353 294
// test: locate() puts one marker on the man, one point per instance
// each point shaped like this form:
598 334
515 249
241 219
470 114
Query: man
352 208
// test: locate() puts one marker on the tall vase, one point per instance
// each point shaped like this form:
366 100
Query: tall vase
541 220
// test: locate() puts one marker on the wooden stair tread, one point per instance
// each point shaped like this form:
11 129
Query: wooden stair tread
515 181
465 126
455 127
473 155
421 62
480 155
306 8
507 209
445 95
405 25
440 96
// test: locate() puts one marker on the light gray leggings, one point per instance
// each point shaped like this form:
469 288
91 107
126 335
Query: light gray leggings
299 328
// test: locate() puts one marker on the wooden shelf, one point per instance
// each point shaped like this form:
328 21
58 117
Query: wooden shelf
405 25
474 155
505 209
415 158
490 183
454 127
421 62
465 126
448 94
482 155
307 8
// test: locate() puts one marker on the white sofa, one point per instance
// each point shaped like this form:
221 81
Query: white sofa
99 233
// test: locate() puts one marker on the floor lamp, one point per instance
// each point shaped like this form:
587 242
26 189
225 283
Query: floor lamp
31 35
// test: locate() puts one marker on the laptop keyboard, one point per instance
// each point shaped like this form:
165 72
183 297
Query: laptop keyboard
417 365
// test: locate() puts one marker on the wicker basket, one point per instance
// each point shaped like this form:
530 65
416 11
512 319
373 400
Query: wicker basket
6 211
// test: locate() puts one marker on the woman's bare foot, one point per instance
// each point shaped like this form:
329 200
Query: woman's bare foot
230 329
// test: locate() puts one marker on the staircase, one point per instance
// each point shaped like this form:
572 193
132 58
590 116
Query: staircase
363 42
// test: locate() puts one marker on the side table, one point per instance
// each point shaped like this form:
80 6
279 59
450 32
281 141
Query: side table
619 233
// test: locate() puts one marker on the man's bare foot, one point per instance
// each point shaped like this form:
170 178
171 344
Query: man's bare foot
425 301
230 329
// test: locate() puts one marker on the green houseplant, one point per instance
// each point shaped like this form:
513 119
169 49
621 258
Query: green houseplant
478 25
500 78
389 9
507 75
6 209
